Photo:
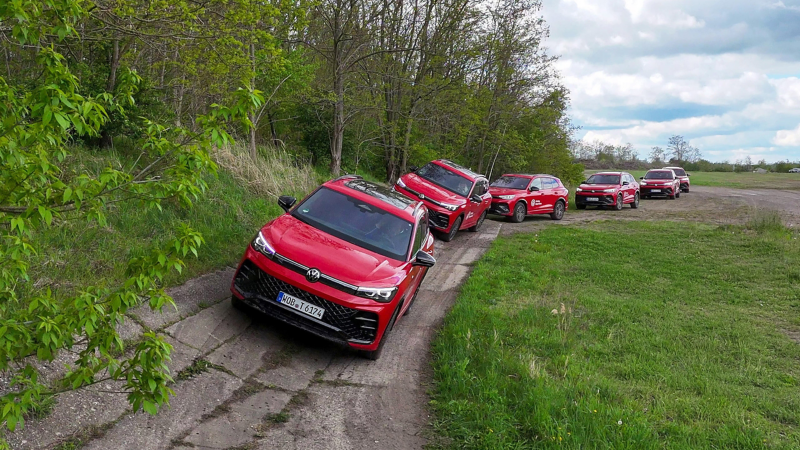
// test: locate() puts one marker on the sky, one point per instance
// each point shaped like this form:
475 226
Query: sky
725 74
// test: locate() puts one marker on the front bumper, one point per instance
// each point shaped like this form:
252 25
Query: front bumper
501 208
603 199
665 190
439 218
258 281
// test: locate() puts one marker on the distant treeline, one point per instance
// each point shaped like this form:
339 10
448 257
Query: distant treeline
598 155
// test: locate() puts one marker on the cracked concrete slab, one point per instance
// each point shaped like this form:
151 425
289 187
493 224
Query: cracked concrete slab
189 298
297 374
193 398
244 355
211 327
241 423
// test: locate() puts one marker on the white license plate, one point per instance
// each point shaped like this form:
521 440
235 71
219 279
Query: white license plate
300 305
655 190
592 199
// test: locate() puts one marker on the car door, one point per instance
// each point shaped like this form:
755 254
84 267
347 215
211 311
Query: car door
535 197
424 242
628 189
473 210
550 195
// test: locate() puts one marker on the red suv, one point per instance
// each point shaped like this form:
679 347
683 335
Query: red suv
661 182
517 195
344 264
457 198
608 189
682 176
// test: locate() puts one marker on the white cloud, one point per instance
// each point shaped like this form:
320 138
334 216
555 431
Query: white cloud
787 137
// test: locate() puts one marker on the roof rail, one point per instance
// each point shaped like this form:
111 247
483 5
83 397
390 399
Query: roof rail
348 177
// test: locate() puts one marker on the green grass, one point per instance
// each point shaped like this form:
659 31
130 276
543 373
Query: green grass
625 336
228 215
740 180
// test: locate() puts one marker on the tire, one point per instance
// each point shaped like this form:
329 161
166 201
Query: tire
620 202
678 194
635 203
375 354
454 230
686 190
672 197
580 206
519 213
558 211
478 224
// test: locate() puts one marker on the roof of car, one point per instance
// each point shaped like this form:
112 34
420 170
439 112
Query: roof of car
608 173
660 170
529 175
673 167
458 168
377 195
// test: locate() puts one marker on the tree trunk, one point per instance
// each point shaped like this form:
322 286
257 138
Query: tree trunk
106 140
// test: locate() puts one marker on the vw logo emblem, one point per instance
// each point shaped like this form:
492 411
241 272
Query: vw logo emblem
312 275
422 196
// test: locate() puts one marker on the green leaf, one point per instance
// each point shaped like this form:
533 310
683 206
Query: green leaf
67 195
62 120
47 115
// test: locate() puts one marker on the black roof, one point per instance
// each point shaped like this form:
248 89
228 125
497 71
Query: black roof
380 192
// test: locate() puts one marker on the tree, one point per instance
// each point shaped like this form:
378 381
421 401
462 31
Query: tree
678 148
39 119
657 155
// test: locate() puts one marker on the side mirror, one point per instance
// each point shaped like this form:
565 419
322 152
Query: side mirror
413 168
423 259
286 202
641 178
688 174
476 198
534 188
583 182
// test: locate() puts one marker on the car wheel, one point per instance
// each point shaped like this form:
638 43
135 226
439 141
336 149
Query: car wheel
580 206
456 225
478 224
375 354
558 211
635 203
687 189
519 213
678 194
618 206
672 197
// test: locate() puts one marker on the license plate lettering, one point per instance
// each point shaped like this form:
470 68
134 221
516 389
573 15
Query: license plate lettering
300 305
592 199
655 190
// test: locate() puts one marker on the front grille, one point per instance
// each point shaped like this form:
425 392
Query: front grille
499 208
438 219
339 322
601 200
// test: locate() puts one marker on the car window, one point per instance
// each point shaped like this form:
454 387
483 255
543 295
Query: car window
356 222
658 175
481 186
603 179
550 183
679 172
511 182
537 182
445 178
422 233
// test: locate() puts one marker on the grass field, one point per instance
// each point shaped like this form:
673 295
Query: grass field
636 335
743 180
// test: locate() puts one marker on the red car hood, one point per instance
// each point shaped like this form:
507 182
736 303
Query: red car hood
432 191
311 247
505 191
598 187
664 182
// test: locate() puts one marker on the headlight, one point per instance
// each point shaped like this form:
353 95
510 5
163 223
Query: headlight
262 246
448 207
643 182
382 295
505 197
400 183
609 190
578 190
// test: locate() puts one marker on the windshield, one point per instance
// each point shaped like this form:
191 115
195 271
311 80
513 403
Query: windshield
509 182
603 179
445 178
356 222
679 172
660 175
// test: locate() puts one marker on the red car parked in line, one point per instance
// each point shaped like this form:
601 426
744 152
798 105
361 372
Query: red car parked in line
518 195
457 198
682 176
661 182
608 189
344 264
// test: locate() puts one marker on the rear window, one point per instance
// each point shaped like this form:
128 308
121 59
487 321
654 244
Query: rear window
356 222
679 172
446 178
509 182
659 175
603 179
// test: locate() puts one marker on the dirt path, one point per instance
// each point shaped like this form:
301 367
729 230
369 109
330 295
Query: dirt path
262 385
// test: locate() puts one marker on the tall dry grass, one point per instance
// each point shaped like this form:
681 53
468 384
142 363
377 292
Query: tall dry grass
274 172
